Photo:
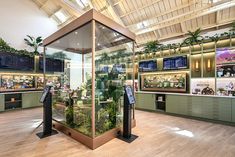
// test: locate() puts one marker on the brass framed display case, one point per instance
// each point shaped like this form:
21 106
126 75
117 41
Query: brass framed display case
87 105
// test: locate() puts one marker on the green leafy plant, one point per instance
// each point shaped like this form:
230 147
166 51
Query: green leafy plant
152 46
193 37
34 43
5 47
232 30
215 38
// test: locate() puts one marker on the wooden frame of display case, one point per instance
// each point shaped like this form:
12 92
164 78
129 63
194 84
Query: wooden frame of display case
93 17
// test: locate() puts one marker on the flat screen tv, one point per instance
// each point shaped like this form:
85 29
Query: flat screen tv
119 68
148 66
16 62
52 65
174 63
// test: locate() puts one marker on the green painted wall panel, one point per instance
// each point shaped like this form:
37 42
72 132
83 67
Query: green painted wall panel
145 101
31 99
2 101
233 110
224 109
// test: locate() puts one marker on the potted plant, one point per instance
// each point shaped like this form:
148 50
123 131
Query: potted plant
193 38
34 43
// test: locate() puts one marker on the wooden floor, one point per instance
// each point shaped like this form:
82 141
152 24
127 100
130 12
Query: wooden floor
159 136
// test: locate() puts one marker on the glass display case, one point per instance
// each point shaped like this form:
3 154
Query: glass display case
170 82
88 101
17 82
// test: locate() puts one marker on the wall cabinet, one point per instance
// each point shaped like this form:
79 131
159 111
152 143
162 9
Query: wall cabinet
2 102
233 110
145 101
31 99
216 108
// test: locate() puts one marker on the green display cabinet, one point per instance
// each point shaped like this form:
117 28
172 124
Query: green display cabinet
233 110
145 101
2 102
31 99
223 109
178 104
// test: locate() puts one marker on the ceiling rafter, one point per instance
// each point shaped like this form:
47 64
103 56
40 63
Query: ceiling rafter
164 13
140 8
180 18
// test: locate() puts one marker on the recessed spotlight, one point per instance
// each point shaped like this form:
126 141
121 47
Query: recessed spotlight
78 44
98 44
76 33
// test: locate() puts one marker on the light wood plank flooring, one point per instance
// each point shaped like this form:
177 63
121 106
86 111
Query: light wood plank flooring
159 136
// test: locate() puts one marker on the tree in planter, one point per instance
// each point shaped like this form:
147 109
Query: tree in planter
232 30
151 46
194 37
34 43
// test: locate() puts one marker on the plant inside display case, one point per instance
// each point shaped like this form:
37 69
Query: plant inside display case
171 82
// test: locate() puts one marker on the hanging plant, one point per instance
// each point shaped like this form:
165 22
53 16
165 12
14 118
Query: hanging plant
34 43
5 47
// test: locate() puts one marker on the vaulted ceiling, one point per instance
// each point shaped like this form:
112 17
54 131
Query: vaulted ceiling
149 19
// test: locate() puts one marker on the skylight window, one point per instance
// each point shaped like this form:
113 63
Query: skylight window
142 25
61 16
83 3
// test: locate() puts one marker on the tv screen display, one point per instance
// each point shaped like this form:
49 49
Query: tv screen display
105 69
119 68
52 65
179 62
16 62
146 66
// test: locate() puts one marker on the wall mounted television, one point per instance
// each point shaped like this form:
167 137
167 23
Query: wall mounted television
174 63
148 66
10 61
119 68
52 65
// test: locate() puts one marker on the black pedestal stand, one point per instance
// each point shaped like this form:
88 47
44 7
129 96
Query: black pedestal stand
127 136
47 117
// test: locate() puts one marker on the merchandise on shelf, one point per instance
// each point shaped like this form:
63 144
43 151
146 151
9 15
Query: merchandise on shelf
203 86
170 82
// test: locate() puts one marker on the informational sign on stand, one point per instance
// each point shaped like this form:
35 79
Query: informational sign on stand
46 99
129 101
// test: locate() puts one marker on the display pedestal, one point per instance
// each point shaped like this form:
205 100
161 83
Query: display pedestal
46 99
42 135
129 100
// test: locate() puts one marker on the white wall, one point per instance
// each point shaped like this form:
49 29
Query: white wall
19 18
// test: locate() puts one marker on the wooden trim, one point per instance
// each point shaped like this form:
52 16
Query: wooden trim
84 19
113 25
93 78
79 22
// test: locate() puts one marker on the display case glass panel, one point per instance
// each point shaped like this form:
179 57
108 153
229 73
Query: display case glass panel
72 99
111 77
170 82
17 82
